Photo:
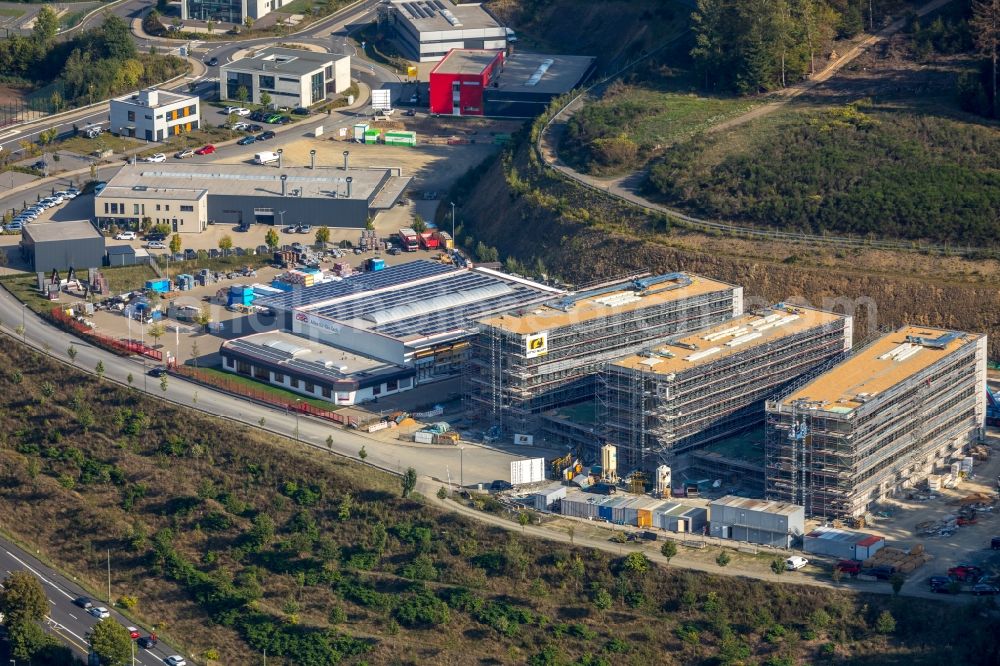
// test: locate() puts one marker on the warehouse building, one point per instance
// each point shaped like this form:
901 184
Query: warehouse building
62 245
417 315
315 370
291 77
877 422
709 384
188 196
427 29
531 360
774 524
491 83
154 115
842 544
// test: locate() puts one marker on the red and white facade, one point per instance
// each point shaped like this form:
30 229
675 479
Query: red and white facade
458 82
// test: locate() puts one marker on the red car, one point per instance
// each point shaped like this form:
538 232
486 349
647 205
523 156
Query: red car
851 567
205 150
132 632
965 572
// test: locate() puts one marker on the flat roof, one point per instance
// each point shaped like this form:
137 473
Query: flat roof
283 61
844 536
305 356
764 506
466 61
624 296
542 73
432 15
416 301
163 98
253 179
117 192
731 337
888 361
42 232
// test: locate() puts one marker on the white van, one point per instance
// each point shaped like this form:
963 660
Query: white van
265 158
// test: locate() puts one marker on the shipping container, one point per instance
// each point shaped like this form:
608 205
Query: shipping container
423 437
359 132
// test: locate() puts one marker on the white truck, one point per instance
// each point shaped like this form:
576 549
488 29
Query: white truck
265 157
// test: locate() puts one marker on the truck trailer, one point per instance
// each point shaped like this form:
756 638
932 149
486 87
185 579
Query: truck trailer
408 240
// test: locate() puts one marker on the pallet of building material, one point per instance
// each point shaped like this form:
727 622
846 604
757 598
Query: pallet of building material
917 550
890 550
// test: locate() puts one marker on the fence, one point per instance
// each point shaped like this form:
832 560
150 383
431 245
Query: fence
120 346
241 389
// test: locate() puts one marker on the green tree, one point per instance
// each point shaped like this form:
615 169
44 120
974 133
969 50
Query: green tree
248 22
897 580
669 550
409 481
163 383
271 239
418 224
723 559
242 94
71 352
778 566
175 243
99 370
156 332
116 37
362 454
322 235
111 642
265 99
46 26
226 243
602 599
45 137
886 623
523 519
27 639
22 599
985 27
442 494
636 564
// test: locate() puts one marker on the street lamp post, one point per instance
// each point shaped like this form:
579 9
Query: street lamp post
461 471
453 239
297 403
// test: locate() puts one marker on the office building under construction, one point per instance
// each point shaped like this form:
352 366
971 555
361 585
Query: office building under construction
706 385
877 422
541 357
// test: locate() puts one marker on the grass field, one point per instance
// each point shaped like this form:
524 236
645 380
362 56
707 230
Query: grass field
11 11
106 141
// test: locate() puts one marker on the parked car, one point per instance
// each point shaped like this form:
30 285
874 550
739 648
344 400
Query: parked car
304 229
99 187
247 140
851 567
156 245
290 229
181 154
946 589
273 118
301 111
155 157
410 113
156 236
125 235
190 254
937 581
13 226
73 193
99 612
883 572
284 120
147 643
233 109
965 572
207 149
212 62
242 112
264 136
40 165
175 660
242 228
982 589
239 126
795 562
83 602
259 115
254 128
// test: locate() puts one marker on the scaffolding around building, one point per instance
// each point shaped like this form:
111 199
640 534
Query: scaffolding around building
875 423
527 362
704 386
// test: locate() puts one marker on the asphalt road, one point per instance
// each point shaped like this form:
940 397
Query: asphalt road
65 620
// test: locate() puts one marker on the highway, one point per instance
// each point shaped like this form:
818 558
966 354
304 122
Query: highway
66 620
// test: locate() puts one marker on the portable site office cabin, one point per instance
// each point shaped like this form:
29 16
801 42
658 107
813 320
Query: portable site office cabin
842 544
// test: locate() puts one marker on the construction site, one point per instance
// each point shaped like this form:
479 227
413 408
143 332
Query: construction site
707 385
534 359
877 423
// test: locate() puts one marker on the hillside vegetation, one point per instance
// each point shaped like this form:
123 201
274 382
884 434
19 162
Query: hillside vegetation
230 541
859 169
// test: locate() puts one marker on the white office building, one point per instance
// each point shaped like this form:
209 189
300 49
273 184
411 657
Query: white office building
428 29
291 77
154 115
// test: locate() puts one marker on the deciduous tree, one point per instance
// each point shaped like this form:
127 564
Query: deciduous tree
111 642
22 598
985 27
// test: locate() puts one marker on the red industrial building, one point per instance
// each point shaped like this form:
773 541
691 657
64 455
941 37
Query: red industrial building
458 82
